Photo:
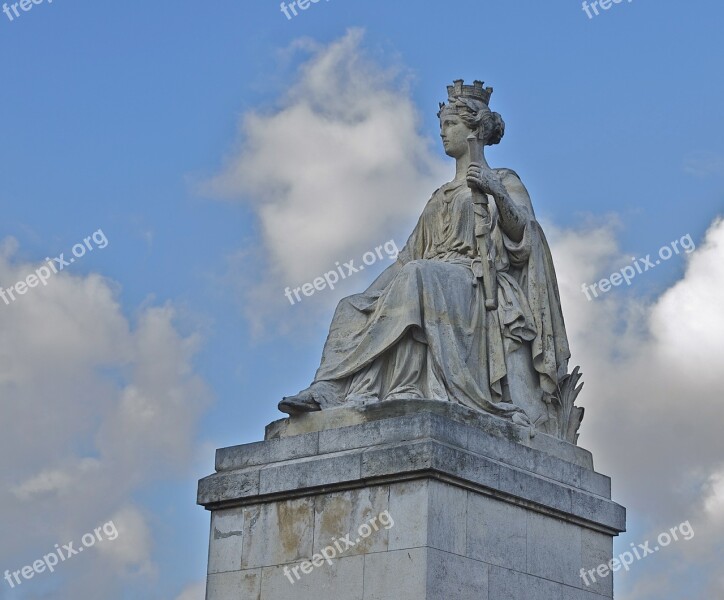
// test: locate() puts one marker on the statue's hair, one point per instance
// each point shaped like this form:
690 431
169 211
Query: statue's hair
476 115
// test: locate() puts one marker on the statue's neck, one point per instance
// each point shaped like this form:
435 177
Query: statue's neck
462 163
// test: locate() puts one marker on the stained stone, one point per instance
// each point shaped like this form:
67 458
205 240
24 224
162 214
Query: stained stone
516 524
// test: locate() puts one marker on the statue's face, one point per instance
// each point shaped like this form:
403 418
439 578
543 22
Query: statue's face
454 134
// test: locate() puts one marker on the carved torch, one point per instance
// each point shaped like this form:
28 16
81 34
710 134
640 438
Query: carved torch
484 264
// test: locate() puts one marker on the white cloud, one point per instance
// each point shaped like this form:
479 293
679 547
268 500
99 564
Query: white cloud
94 407
133 545
60 481
714 502
653 398
338 169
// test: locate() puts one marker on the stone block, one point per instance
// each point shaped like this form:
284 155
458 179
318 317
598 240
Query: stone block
278 533
496 532
535 489
595 482
506 584
466 466
236 585
343 581
455 577
596 550
222 486
390 460
396 575
553 549
398 429
265 453
339 514
227 528
306 473
409 508
599 510
447 508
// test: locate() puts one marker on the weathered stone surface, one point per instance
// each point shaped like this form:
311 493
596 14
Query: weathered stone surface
399 574
507 584
597 508
409 507
278 533
470 511
350 469
596 550
309 473
336 515
454 576
496 532
554 549
265 453
395 429
535 489
222 486
447 509
237 585
389 460
227 527
342 581
348 416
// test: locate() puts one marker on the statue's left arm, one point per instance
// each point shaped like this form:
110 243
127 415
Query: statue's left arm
512 216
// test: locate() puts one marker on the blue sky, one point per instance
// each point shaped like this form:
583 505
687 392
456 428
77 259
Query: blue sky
177 129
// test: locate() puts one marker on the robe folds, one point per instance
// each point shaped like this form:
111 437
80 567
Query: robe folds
425 315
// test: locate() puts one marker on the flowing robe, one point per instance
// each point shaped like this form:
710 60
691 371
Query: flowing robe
422 328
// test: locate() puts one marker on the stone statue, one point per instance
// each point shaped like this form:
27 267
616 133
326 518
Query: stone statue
470 312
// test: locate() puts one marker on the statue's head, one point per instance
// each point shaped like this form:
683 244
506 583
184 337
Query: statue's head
467 111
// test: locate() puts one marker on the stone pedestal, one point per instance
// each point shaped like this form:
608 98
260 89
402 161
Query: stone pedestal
416 500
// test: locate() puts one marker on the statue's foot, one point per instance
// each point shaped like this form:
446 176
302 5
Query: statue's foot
303 402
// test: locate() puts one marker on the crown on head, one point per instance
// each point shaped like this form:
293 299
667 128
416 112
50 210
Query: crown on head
459 90
477 91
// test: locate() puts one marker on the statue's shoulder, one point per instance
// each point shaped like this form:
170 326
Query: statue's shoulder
505 173
515 187
512 181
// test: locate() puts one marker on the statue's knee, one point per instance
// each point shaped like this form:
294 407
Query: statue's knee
412 267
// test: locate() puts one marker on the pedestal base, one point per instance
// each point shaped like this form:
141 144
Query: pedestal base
407 500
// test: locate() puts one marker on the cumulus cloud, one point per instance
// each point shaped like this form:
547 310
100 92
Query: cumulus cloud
338 168
653 400
93 406
131 548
